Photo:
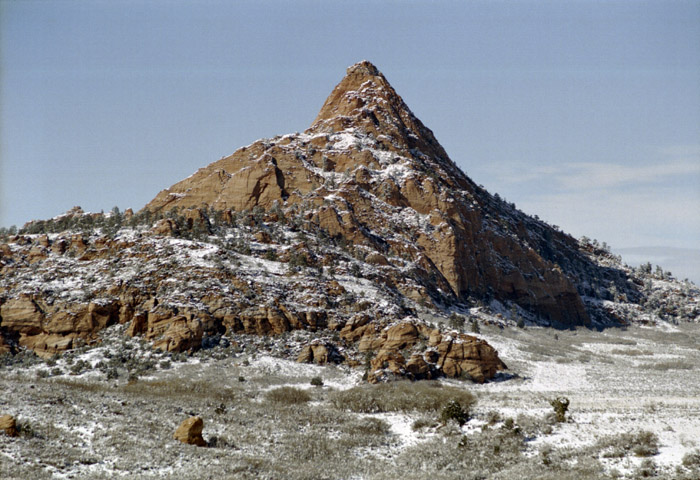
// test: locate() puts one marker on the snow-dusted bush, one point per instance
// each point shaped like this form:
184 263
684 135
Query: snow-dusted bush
560 406
288 395
454 411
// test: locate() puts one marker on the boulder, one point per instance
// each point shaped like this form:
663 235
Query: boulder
466 355
190 432
418 368
8 425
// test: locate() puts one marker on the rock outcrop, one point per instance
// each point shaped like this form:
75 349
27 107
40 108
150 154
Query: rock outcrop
375 176
8 425
413 350
190 432
320 353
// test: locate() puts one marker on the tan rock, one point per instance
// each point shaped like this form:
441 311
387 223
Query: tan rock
181 335
320 353
469 355
138 325
190 432
418 368
21 315
263 237
165 226
377 259
60 246
389 360
8 425
314 354
400 336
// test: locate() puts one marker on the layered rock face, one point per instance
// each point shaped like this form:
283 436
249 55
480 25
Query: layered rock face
183 295
369 171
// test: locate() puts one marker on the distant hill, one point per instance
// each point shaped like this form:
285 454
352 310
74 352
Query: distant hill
682 262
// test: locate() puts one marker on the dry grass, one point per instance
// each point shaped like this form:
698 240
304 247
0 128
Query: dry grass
288 395
665 365
401 396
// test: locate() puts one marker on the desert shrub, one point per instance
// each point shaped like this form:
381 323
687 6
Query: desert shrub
691 459
25 429
401 396
220 442
454 411
475 326
475 456
631 352
24 358
317 382
288 395
645 444
111 373
641 444
79 367
366 426
139 365
646 469
457 321
536 425
424 421
560 406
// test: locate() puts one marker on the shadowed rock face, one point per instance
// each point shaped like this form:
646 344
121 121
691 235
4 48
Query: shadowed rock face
369 171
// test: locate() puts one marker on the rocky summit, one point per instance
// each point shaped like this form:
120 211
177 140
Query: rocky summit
357 241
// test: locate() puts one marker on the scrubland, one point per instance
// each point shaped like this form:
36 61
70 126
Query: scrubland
110 412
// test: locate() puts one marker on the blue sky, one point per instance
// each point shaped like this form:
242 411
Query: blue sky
584 113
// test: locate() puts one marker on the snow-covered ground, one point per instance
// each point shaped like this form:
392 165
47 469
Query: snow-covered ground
618 381
643 382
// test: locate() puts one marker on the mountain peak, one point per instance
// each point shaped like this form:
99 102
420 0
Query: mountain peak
362 86
370 174
365 101
365 67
